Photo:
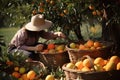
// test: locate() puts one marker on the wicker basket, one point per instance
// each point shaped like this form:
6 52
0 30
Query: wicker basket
53 61
92 75
74 74
75 54
39 66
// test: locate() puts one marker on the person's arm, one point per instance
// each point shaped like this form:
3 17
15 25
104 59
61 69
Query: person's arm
52 35
36 48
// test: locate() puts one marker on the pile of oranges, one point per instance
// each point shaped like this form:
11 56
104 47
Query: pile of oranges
54 48
89 45
98 64
22 74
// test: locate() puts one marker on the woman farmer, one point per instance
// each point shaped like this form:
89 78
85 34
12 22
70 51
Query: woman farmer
26 39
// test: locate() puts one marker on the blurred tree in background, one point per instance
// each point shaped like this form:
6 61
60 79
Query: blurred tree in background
14 13
67 15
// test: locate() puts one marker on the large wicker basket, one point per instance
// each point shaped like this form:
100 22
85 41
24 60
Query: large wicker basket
92 75
75 54
75 74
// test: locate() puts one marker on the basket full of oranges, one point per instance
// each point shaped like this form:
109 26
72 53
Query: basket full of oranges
54 55
93 69
92 48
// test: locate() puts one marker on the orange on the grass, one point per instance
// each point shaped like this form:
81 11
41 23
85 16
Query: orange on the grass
31 75
16 69
16 74
51 46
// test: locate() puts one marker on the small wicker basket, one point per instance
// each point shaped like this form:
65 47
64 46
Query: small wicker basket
39 65
75 54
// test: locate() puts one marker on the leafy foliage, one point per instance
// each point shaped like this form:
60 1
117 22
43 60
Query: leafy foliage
14 12
69 15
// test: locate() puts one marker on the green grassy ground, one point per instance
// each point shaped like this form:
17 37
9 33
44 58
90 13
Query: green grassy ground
8 33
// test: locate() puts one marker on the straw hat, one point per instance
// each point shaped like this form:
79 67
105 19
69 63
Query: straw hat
38 23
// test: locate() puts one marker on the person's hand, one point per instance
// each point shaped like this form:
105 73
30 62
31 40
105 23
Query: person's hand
60 34
39 47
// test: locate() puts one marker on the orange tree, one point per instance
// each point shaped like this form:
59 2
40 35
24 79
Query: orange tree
68 15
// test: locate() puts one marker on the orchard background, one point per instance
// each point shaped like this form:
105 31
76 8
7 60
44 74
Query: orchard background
84 19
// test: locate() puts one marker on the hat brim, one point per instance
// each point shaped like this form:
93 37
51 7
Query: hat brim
31 27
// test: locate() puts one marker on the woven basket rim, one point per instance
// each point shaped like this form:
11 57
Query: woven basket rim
37 62
53 53
74 70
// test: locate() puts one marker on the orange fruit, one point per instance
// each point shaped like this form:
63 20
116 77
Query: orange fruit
97 44
82 47
31 75
16 74
65 11
79 65
24 77
105 62
49 77
92 48
70 65
51 46
9 62
47 0
59 47
94 13
41 10
46 51
110 66
118 66
85 68
98 47
99 61
91 7
86 62
115 59
16 69
90 43
60 51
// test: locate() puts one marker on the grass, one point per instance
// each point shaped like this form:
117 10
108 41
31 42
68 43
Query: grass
8 33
